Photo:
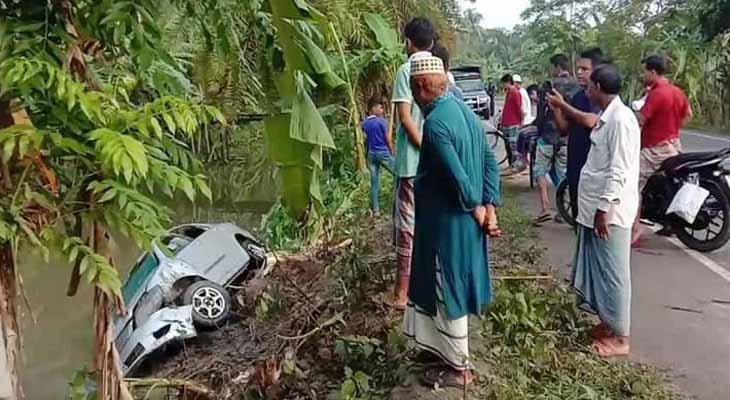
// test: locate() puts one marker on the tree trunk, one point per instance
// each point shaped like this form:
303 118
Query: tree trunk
9 321
106 361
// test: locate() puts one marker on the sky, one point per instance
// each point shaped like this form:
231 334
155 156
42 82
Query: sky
498 13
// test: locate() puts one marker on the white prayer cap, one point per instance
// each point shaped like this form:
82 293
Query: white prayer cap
427 65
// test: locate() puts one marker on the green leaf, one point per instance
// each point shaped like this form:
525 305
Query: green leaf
108 195
204 188
8 149
126 167
28 27
23 144
186 185
307 124
156 127
386 36
216 114
319 61
169 121
73 254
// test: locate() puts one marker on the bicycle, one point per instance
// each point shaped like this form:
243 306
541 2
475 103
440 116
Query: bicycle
564 203
533 156
499 143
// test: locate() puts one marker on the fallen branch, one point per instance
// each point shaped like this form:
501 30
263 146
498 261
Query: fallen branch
337 318
187 387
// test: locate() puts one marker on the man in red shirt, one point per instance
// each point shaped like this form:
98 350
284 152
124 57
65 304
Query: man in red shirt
665 112
511 114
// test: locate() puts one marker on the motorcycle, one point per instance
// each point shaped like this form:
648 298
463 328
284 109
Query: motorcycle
711 170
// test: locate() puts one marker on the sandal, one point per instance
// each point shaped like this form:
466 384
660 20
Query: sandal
446 377
541 219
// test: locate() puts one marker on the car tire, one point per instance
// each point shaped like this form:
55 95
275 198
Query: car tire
211 303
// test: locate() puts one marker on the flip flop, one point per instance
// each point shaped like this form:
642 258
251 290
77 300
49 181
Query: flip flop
541 219
443 377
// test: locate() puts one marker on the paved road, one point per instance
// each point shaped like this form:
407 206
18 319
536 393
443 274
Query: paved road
681 299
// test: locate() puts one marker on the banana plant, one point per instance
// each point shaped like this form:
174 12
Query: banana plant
296 133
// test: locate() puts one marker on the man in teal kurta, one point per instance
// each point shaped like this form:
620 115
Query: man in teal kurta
456 189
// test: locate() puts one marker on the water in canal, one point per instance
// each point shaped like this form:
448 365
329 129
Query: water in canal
61 340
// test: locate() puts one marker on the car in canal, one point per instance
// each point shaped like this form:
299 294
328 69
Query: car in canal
181 285
468 78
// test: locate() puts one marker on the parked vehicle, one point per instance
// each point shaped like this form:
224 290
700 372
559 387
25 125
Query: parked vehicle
711 170
469 79
181 285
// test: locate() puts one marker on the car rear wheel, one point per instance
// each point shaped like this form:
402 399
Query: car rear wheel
211 303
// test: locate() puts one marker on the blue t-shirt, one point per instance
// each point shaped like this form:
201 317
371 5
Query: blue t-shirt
375 130
579 140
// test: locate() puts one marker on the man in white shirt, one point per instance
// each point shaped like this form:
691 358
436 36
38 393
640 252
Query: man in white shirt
608 199
527 117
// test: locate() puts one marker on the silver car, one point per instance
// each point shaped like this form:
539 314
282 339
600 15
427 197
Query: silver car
181 283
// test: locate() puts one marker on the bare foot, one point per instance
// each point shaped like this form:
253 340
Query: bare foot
612 346
600 331
395 302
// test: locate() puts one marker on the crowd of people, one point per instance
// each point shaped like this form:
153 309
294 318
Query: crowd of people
448 187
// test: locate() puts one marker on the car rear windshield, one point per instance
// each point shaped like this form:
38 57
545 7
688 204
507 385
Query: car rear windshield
470 86
138 276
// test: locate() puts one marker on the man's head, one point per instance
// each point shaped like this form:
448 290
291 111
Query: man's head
420 35
586 63
441 52
428 80
654 68
507 81
517 80
375 106
605 84
560 64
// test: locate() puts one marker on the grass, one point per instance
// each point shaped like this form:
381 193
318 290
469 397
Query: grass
529 344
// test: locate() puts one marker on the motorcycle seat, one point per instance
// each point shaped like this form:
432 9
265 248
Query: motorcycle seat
693 157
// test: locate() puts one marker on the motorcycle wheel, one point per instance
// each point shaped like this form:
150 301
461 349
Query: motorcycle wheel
711 229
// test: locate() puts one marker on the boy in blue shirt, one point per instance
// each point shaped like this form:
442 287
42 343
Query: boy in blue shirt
376 127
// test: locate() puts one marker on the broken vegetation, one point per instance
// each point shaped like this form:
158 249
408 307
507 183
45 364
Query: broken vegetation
316 329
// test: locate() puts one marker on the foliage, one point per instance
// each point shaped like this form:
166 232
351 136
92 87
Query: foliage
691 33
101 125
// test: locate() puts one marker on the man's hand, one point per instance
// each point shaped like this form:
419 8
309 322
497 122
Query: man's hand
479 214
491 225
600 224
556 100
